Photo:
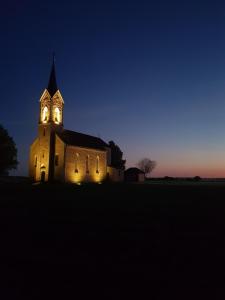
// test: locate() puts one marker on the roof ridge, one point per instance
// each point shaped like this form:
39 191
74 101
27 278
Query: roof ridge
84 134
81 139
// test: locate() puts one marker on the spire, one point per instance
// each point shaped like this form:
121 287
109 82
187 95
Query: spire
52 84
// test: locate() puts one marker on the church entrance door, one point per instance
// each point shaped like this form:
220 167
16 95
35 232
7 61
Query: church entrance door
43 176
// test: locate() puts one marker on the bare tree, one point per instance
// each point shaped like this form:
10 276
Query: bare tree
146 165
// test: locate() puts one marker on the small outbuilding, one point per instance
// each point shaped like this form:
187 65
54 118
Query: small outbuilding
134 175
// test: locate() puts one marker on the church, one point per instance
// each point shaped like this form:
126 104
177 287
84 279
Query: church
58 154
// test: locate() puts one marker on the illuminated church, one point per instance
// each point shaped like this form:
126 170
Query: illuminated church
63 155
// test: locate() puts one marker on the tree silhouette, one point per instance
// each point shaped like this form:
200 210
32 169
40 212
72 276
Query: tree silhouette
8 152
146 165
117 160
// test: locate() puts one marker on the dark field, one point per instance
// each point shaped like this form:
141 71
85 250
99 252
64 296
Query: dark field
112 242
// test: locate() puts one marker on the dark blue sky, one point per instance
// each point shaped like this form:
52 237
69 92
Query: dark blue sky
148 75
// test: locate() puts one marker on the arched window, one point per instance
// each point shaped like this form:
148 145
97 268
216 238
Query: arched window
35 161
87 164
76 162
45 114
97 164
57 115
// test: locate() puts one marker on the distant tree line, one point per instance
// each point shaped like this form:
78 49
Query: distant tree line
170 178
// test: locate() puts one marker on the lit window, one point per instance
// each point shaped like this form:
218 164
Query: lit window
56 160
45 114
97 164
57 115
87 164
76 162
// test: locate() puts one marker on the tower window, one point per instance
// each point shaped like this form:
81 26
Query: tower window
56 160
87 164
76 162
57 115
45 114
97 164
44 132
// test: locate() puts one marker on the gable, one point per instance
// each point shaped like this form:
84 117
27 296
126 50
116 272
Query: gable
45 95
34 143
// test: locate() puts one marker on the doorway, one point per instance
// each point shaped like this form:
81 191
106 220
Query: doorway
43 176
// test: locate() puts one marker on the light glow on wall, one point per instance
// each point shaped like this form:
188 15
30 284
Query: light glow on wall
82 177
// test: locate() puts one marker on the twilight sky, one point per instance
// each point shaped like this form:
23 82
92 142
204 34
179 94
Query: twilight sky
149 75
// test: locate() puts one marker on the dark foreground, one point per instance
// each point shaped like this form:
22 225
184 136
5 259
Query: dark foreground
112 242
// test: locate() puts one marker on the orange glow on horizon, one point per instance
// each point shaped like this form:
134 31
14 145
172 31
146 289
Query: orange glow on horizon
206 163
190 172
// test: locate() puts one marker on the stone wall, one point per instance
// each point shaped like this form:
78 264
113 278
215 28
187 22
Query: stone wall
40 149
59 165
85 165
141 177
115 175
33 163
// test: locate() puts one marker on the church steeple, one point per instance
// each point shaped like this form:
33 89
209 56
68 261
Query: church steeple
51 102
52 84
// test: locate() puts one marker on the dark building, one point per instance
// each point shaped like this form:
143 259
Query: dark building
134 175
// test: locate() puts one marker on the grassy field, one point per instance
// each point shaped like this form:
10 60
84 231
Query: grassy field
120 241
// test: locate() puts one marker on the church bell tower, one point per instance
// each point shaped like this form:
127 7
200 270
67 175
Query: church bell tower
51 103
50 122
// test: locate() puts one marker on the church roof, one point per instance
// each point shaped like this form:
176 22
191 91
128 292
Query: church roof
81 140
52 84
134 171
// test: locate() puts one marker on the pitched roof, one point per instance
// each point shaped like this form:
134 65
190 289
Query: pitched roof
134 170
52 84
82 140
